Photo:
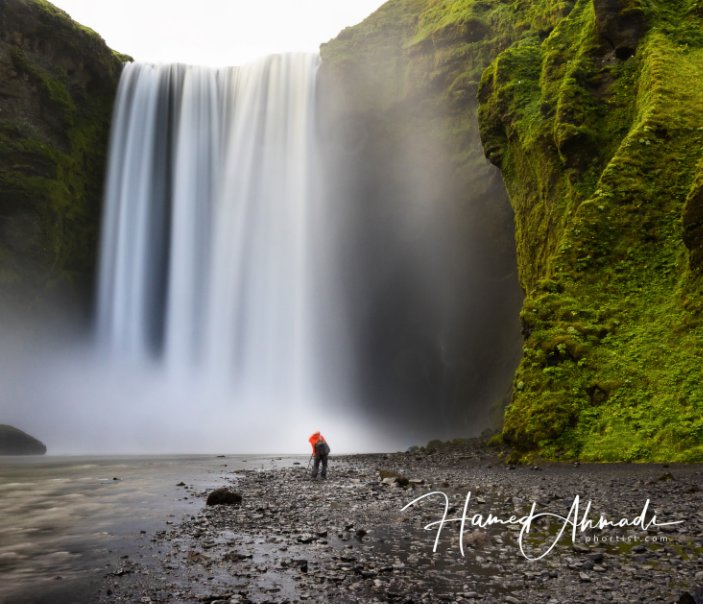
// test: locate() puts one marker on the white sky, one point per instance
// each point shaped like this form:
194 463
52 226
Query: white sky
216 32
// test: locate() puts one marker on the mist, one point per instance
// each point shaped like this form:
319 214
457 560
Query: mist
58 387
425 253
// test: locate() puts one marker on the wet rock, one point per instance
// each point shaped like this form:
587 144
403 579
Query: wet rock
391 477
224 496
477 539
302 564
120 572
691 597
16 442
236 557
282 540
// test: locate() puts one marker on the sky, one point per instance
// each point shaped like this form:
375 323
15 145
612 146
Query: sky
216 32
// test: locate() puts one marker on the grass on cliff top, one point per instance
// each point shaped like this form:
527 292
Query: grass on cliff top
57 13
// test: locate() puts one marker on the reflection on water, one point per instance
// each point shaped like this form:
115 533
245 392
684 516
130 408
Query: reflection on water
63 519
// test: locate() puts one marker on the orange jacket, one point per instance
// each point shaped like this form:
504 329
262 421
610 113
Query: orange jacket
314 439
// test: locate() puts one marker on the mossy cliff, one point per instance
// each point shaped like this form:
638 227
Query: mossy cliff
57 86
597 124
593 110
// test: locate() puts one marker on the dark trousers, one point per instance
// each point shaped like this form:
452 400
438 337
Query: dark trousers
316 466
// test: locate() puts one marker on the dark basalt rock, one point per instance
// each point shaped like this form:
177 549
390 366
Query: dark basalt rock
691 597
15 442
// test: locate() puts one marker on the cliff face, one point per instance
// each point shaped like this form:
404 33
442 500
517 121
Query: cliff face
593 110
597 125
428 266
57 85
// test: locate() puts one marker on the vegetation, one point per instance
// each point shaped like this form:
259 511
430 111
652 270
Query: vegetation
600 151
593 110
52 147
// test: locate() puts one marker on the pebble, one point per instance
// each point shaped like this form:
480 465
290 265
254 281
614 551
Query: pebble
294 540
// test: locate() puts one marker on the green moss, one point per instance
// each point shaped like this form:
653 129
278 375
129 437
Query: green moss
594 113
599 155
54 92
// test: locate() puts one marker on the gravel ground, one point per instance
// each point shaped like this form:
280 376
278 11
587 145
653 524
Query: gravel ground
346 539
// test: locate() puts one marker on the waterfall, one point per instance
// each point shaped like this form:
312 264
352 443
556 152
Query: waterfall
268 267
208 258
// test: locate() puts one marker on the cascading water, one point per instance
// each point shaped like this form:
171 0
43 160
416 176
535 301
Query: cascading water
241 295
207 259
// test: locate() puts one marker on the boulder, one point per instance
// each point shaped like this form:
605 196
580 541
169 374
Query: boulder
224 496
694 596
15 442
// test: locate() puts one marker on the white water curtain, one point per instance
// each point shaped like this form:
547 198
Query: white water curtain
207 256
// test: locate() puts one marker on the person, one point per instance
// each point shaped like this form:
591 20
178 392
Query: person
320 451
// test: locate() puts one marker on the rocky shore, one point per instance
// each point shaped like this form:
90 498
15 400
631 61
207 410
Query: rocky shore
346 539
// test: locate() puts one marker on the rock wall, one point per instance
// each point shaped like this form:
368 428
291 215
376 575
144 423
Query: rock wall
427 249
597 124
57 85
593 111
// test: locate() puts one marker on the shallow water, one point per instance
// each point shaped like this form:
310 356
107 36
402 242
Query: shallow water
65 521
